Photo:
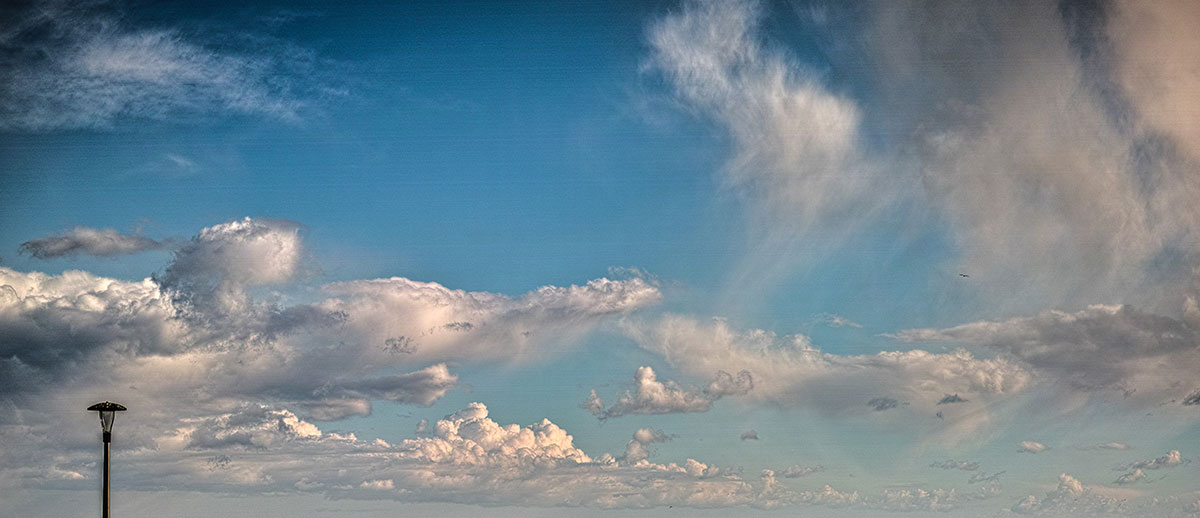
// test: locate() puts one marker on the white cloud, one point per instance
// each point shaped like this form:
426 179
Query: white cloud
1172 459
1070 498
651 396
789 370
1152 42
1031 447
795 142
637 448
83 240
82 66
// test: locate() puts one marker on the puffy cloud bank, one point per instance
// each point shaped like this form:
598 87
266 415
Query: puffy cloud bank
256 373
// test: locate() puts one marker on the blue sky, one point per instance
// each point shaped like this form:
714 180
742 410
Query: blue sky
584 258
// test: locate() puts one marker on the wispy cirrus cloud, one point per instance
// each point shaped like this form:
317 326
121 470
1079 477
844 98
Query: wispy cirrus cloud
69 66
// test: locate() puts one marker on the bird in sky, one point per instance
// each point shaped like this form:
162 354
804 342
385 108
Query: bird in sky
963 275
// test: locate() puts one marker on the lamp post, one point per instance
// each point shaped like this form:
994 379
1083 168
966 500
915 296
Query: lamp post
108 412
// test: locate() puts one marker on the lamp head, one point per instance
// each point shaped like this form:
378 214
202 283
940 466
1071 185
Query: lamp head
108 411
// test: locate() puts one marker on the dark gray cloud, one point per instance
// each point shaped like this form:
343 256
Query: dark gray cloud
880 404
797 471
421 388
1098 347
89 241
726 384
1192 399
981 477
956 464
951 398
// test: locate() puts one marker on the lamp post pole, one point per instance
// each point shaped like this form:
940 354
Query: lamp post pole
108 412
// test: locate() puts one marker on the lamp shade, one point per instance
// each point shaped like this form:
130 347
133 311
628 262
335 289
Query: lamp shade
108 411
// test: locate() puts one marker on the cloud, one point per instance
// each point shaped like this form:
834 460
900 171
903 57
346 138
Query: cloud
83 240
83 66
637 448
795 143
749 435
1136 475
412 321
880 404
789 370
197 328
981 477
951 398
1106 446
1192 399
1099 347
1031 447
1172 459
651 396
832 320
419 388
956 464
797 471
726 385
1069 498
1048 138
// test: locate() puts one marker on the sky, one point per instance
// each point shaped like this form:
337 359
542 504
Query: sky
580 258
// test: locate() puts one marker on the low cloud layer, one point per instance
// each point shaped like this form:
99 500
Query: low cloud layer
256 373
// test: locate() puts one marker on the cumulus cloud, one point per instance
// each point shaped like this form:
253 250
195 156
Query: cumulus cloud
83 240
197 327
637 448
789 370
69 66
956 464
650 396
1172 459
1137 475
1069 498
1031 447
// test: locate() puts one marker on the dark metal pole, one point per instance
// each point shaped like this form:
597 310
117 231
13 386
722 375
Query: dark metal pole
107 440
